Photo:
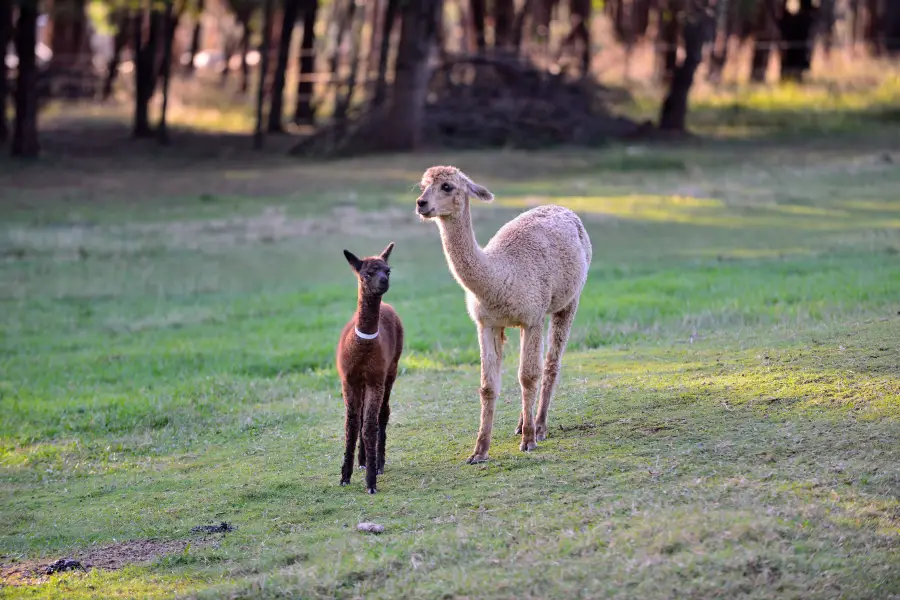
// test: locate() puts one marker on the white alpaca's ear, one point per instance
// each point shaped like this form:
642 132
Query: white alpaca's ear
479 191
387 252
355 263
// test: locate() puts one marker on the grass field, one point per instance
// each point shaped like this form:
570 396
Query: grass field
727 424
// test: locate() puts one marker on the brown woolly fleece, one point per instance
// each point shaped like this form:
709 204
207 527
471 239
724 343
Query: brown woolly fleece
368 367
535 265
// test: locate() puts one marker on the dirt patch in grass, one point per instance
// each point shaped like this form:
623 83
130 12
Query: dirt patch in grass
108 558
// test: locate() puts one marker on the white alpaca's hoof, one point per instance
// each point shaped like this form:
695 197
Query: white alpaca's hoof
527 446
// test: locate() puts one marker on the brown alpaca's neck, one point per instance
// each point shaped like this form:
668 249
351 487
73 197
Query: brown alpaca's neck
468 262
368 312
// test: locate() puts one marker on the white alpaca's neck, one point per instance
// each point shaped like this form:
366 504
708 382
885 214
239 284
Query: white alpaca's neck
468 262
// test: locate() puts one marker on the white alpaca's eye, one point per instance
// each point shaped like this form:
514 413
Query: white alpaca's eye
447 188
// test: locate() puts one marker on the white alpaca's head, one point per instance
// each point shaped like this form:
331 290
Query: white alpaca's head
445 193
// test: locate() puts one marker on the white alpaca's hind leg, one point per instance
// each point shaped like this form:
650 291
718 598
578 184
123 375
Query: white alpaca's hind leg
560 326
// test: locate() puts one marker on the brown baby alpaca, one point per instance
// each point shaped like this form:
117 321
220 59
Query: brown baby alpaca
367 357
535 265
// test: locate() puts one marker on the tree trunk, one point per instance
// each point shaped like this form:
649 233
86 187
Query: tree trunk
504 15
763 39
479 10
123 29
518 26
719 55
304 111
674 110
344 22
667 54
68 29
892 27
245 49
263 71
196 36
145 73
343 102
6 7
403 124
25 139
390 17
581 9
796 37
171 23
288 20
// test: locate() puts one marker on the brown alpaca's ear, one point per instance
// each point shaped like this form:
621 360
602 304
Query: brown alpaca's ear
387 252
355 263
479 191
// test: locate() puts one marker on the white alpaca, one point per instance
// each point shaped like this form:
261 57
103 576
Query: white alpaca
537 264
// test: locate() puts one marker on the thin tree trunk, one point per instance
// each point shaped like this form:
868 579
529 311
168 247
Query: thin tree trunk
674 109
196 36
304 112
797 38
288 20
582 11
504 15
374 9
892 28
763 40
343 102
344 21
123 29
390 17
667 54
479 10
25 138
719 55
145 75
171 23
403 124
518 27
6 14
263 71
67 33
245 49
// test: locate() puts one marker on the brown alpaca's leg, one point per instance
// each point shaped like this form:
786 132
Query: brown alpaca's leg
362 451
353 401
560 326
374 396
529 377
383 418
491 341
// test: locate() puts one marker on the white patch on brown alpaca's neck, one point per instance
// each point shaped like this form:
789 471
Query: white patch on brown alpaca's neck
365 336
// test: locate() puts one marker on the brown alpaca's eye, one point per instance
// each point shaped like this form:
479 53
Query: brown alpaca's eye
447 188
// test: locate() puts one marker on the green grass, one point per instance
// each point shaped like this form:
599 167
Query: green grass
727 424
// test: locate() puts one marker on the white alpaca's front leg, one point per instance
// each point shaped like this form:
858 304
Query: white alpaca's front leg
529 378
491 341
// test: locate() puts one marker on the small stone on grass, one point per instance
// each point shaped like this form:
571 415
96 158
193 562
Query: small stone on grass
370 527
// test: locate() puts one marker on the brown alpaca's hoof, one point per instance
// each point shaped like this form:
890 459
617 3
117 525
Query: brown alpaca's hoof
371 490
379 471
477 458
518 430
527 446
540 433
345 482
361 467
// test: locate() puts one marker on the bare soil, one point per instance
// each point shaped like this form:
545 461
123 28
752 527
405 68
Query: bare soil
110 558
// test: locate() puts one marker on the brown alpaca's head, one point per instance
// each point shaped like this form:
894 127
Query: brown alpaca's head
446 191
373 272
